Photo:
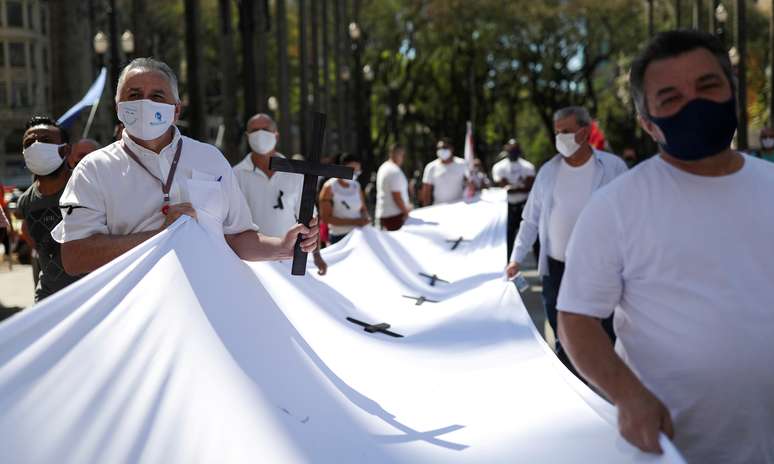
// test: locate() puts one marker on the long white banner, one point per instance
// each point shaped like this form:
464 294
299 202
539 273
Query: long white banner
411 349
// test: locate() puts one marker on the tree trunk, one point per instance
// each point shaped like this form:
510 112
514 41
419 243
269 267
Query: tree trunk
140 28
337 61
230 143
679 13
261 56
194 81
771 63
247 31
325 91
697 7
304 81
286 140
315 58
741 47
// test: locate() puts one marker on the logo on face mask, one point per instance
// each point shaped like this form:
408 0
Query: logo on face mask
158 119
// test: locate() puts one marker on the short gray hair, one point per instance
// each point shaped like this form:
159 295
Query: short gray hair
582 115
149 64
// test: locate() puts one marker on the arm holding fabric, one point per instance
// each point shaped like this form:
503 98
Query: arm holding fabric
641 416
592 287
85 255
528 229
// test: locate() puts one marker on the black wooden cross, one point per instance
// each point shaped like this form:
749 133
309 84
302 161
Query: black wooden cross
420 300
374 328
456 242
433 279
311 170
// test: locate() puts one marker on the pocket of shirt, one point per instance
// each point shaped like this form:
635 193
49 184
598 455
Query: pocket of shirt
207 196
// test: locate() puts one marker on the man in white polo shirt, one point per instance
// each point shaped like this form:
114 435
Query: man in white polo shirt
392 199
129 191
681 248
274 198
562 188
444 178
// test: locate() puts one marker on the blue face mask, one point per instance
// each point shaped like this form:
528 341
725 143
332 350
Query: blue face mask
702 128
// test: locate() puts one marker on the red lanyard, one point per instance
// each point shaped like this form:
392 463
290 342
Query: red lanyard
165 186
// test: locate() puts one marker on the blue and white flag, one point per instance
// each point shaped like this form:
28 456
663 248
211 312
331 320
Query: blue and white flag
91 98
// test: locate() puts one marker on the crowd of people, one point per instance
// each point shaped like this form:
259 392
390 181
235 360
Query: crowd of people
635 263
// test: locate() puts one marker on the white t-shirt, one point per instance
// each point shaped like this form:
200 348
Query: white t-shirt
389 179
274 202
347 203
516 174
448 180
687 262
572 191
111 194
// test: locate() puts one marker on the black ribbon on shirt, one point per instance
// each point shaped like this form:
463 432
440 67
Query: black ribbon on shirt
279 204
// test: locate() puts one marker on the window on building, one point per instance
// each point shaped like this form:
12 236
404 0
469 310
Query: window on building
3 95
43 20
14 12
18 54
2 54
33 61
20 96
45 59
30 17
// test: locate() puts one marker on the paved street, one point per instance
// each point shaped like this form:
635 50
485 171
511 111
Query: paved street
17 290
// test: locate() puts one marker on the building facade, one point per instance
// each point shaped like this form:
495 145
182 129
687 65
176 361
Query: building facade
25 86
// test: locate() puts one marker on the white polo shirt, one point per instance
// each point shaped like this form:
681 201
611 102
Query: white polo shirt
447 179
516 174
275 201
687 263
111 194
389 179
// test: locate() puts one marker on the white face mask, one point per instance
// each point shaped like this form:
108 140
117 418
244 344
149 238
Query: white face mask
767 142
262 141
43 158
444 154
566 144
146 119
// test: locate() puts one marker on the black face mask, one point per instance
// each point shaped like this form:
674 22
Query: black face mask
702 128
514 154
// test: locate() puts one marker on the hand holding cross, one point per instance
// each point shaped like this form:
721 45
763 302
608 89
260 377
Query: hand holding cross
311 170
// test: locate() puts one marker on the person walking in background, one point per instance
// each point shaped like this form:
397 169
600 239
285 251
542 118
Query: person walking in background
766 151
444 178
342 202
46 147
517 175
562 188
392 196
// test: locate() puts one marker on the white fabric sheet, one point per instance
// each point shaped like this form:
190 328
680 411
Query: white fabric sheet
178 352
